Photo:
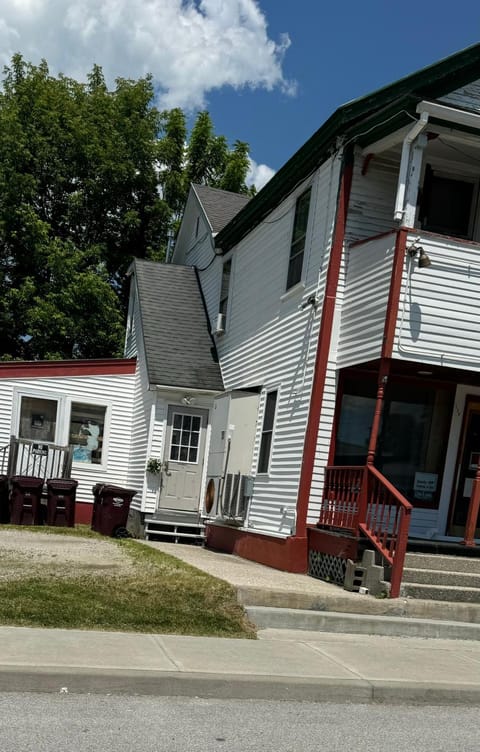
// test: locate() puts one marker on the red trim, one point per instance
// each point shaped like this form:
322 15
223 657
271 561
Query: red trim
364 241
394 293
323 350
44 368
287 554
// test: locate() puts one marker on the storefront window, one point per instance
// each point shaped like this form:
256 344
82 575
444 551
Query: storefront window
413 436
38 419
87 424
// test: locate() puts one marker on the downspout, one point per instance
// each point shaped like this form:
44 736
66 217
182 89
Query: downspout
412 134
323 347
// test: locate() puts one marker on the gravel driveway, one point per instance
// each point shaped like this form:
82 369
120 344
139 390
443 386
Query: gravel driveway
27 554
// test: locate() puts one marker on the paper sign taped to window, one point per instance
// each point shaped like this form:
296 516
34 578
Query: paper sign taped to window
425 485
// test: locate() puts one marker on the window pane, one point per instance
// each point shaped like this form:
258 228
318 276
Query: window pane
38 419
269 416
183 454
264 455
187 422
295 267
87 423
196 423
174 452
192 455
177 421
267 431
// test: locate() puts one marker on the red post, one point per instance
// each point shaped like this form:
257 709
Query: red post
363 498
382 380
473 509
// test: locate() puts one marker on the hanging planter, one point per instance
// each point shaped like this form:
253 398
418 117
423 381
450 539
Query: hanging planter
154 466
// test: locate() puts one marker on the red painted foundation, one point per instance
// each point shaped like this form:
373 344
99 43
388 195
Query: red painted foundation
83 513
334 544
287 554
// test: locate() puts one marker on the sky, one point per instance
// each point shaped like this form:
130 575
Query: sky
270 72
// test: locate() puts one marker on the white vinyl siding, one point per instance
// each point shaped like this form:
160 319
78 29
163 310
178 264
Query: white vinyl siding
271 341
115 392
372 197
439 316
367 284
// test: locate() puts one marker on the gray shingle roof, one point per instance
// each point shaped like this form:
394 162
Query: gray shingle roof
179 349
220 206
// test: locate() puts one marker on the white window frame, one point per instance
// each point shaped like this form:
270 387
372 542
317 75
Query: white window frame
21 392
265 473
301 280
106 430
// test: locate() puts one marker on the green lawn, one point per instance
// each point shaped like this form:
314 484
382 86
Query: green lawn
159 594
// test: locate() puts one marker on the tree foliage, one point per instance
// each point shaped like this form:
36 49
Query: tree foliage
89 178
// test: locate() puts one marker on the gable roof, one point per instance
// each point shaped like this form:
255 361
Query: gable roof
378 113
179 349
219 206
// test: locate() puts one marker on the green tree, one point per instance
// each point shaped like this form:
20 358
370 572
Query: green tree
89 178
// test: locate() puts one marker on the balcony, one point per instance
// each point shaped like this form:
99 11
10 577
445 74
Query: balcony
430 315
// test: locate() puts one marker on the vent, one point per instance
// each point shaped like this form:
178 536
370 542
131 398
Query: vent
220 327
236 494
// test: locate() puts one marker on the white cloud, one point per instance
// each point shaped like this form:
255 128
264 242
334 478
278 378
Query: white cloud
259 174
190 46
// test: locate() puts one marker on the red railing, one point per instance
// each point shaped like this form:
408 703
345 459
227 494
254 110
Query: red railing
361 499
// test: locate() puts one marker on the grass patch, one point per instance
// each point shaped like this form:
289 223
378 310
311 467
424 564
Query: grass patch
159 594
79 531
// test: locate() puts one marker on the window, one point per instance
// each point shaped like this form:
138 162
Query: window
267 432
185 438
295 264
87 425
226 272
446 206
413 437
38 419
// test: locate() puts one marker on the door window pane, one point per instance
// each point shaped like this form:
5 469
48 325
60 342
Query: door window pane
38 419
185 438
87 423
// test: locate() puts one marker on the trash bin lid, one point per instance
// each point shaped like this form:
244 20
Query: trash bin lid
27 481
58 484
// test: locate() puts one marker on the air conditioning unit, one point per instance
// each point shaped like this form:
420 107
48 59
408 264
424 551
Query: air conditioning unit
237 491
220 327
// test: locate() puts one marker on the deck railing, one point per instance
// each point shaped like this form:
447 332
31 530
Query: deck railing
360 499
33 458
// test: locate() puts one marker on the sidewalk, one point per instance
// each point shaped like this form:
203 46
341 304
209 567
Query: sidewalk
281 665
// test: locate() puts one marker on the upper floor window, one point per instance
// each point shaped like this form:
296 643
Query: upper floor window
267 432
297 248
447 204
225 289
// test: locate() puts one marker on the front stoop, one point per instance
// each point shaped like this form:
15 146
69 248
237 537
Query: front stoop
441 578
176 527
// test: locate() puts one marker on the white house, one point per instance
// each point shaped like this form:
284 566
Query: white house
344 296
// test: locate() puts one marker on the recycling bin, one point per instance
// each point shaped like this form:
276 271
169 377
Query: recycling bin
25 500
4 500
110 509
61 494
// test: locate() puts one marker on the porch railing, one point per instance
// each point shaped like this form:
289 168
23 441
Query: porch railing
32 458
360 499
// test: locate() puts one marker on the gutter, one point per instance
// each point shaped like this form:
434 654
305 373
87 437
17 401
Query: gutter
412 134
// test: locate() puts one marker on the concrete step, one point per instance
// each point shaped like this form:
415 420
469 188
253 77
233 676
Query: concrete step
470 565
441 593
441 577
345 623
176 532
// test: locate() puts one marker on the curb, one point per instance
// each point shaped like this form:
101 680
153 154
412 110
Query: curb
221 686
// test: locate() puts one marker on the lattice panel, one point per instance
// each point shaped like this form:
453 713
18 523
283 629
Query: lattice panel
327 567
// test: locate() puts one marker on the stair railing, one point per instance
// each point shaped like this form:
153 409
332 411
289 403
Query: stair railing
359 499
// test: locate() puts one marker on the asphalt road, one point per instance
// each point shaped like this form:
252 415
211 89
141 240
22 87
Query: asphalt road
98 723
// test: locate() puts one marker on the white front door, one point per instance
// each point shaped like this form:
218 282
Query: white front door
183 459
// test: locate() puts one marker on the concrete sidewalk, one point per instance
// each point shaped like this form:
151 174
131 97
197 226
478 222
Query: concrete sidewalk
280 665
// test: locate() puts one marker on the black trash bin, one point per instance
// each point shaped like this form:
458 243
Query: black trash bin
25 500
110 509
4 500
61 494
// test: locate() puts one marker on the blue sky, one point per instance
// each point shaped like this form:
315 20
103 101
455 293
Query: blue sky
238 58
338 52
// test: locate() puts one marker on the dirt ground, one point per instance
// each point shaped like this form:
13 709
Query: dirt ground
26 554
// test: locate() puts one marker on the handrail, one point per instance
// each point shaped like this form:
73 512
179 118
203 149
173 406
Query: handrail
34 458
358 498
